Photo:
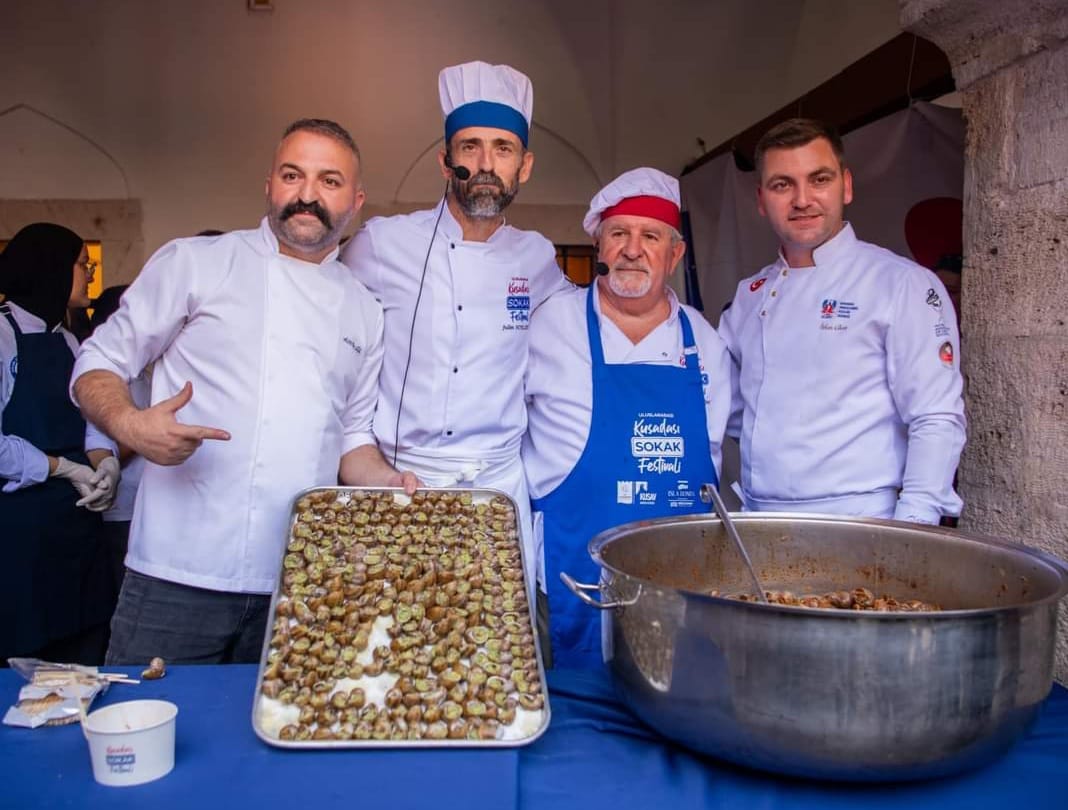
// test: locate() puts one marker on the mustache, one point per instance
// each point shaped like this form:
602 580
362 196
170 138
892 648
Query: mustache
301 207
628 265
485 179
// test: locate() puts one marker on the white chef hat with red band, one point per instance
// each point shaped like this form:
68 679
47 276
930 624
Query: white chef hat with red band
640 192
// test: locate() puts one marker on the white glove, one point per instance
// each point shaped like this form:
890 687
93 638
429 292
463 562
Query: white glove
107 475
75 473
82 478
101 496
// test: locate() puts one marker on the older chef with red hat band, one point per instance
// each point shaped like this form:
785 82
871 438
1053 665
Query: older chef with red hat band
628 395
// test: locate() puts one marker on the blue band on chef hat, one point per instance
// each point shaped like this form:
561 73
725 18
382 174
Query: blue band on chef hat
486 114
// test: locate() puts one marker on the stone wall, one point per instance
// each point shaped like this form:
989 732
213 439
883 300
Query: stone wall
1010 61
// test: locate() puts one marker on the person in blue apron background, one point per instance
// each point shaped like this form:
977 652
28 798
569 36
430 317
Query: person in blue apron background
628 394
56 597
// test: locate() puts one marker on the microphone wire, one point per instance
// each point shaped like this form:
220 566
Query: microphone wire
411 331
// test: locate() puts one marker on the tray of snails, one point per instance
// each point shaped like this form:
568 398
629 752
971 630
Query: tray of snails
401 621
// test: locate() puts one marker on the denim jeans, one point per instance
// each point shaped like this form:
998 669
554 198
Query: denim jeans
185 625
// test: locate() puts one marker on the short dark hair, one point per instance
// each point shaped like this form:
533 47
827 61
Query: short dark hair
795 132
323 126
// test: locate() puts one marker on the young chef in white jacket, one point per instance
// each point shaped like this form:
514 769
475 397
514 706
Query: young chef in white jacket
847 355
458 285
628 394
267 353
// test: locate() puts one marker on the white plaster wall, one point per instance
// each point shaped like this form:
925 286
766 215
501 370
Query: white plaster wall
181 103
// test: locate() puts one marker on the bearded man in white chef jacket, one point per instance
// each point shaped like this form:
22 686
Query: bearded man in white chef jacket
628 394
846 355
458 286
267 354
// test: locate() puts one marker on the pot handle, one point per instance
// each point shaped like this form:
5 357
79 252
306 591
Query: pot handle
580 588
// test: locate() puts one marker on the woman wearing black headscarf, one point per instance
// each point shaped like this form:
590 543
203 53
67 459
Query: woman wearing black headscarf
53 585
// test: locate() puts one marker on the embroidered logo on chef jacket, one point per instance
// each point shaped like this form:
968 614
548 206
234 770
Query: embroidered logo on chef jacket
830 308
657 443
945 354
517 303
756 285
941 330
352 344
933 299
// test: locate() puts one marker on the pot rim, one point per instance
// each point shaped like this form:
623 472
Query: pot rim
1056 565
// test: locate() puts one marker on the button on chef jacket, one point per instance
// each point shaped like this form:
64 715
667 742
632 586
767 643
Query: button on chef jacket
283 354
559 386
22 464
463 397
848 385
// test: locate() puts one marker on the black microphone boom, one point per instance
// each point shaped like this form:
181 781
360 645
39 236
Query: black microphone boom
601 268
461 172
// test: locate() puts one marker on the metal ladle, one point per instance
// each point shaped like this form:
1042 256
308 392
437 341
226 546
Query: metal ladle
709 494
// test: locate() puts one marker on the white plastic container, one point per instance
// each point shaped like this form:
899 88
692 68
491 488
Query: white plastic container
131 743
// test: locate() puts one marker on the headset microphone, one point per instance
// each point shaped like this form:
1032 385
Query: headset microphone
601 268
461 172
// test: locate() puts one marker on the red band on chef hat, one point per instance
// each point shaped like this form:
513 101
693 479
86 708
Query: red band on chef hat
646 206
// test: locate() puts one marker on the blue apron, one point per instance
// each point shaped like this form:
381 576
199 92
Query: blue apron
646 456
54 582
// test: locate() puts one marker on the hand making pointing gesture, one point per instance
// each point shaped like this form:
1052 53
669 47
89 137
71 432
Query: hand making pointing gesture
157 434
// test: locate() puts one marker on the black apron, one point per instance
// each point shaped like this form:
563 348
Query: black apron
53 582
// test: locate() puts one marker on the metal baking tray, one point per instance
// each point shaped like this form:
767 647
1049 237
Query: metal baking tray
451 606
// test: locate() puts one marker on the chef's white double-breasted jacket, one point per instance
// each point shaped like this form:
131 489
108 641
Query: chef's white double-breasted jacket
848 385
283 354
463 395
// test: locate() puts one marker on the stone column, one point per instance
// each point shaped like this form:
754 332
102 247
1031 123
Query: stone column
1010 62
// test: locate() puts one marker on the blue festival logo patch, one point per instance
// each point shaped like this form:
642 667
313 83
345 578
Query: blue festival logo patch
828 307
517 303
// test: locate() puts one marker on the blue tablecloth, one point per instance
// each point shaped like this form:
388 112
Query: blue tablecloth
594 755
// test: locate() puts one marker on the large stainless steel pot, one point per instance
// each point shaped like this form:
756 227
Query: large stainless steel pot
826 693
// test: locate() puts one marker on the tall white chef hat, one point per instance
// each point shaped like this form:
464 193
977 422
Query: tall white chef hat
640 192
476 94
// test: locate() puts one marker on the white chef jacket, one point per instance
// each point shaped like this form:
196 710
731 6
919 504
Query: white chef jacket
559 384
463 417
22 464
283 354
848 385
463 397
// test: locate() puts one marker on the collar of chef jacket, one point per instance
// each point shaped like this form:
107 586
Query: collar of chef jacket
833 249
272 244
